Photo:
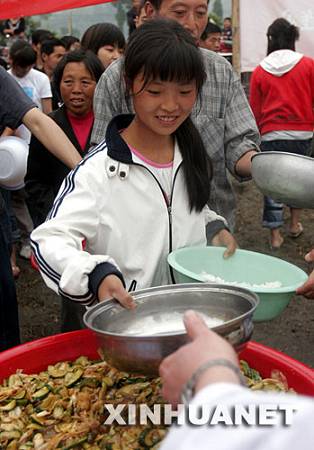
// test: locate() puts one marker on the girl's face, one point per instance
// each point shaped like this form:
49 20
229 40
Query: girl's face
77 89
162 106
109 53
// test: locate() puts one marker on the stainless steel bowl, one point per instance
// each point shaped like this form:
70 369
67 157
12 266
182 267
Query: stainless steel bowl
137 340
285 177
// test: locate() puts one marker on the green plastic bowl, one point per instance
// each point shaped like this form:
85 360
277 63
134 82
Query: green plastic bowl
244 266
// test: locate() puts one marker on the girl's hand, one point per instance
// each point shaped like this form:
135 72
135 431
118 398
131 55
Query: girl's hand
112 287
225 239
307 289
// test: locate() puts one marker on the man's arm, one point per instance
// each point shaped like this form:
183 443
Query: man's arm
52 137
242 137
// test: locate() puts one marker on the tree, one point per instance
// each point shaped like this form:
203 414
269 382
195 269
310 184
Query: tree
217 9
122 6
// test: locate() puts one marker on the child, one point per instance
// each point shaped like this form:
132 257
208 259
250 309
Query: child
143 191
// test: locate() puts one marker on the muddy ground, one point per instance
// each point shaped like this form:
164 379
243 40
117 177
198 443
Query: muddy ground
292 332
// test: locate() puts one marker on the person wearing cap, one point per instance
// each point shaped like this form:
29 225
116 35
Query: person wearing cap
16 108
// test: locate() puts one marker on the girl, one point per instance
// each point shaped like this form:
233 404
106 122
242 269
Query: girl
142 192
105 40
282 98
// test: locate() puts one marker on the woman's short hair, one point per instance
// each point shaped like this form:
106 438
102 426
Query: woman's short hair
102 34
87 57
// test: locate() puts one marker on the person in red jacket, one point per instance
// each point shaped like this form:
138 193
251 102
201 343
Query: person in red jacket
282 98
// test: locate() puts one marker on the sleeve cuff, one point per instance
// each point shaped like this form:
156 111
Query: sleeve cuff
213 228
100 272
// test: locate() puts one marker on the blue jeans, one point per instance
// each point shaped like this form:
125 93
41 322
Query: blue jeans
273 211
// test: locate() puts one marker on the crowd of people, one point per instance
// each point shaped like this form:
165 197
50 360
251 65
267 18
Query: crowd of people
130 150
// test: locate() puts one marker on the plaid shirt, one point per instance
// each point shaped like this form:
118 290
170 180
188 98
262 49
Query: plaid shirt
222 116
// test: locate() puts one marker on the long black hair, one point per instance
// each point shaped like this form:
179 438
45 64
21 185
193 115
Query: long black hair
162 49
281 35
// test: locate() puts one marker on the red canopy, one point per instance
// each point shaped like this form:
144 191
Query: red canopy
16 8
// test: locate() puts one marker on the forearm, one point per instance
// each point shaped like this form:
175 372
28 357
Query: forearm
244 165
52 137
7 132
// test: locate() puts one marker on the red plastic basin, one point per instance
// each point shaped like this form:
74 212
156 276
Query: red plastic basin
35 356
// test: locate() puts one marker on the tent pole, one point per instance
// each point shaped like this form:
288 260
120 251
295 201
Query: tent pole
236 62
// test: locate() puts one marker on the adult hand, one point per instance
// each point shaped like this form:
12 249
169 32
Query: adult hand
112 287
176 369
225 239
307 289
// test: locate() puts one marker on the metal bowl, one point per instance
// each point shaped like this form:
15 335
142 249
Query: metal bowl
285 177
137 340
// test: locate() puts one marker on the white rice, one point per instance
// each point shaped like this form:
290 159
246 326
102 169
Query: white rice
163 323
209 278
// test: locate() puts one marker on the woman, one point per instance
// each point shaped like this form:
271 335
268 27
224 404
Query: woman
143 192
75 79
282 98
105 40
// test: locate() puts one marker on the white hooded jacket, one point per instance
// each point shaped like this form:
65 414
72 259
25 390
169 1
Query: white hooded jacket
280 62
118 209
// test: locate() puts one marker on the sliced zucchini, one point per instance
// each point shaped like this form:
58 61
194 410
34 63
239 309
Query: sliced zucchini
58 372
150 437
8 435
74 443
9 406
72 377
58 412
41 393
38 420
19 395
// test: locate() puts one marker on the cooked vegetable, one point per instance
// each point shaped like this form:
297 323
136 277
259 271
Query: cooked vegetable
63 407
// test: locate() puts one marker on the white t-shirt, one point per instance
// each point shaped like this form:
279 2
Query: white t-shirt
36 86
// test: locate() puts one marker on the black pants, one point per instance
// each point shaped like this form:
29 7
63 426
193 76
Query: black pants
9 322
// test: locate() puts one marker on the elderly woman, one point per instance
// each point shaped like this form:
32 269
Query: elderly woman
75 79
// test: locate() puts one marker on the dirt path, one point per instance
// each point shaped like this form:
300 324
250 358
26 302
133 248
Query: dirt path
292 332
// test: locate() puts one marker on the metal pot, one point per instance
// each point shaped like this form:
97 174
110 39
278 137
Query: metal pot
129 340
286 177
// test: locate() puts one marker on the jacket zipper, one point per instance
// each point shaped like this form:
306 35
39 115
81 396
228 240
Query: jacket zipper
169 207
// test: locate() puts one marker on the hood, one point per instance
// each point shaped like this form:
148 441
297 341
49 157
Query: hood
280 62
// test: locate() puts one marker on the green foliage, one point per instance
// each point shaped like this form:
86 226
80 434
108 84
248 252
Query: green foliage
214 18
217 9
122 6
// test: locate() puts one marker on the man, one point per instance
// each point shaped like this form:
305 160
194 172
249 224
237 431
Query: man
211 37
223 116
52 51
226 38
17 108
38 36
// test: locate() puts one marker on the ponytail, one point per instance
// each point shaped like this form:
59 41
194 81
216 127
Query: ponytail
197 166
